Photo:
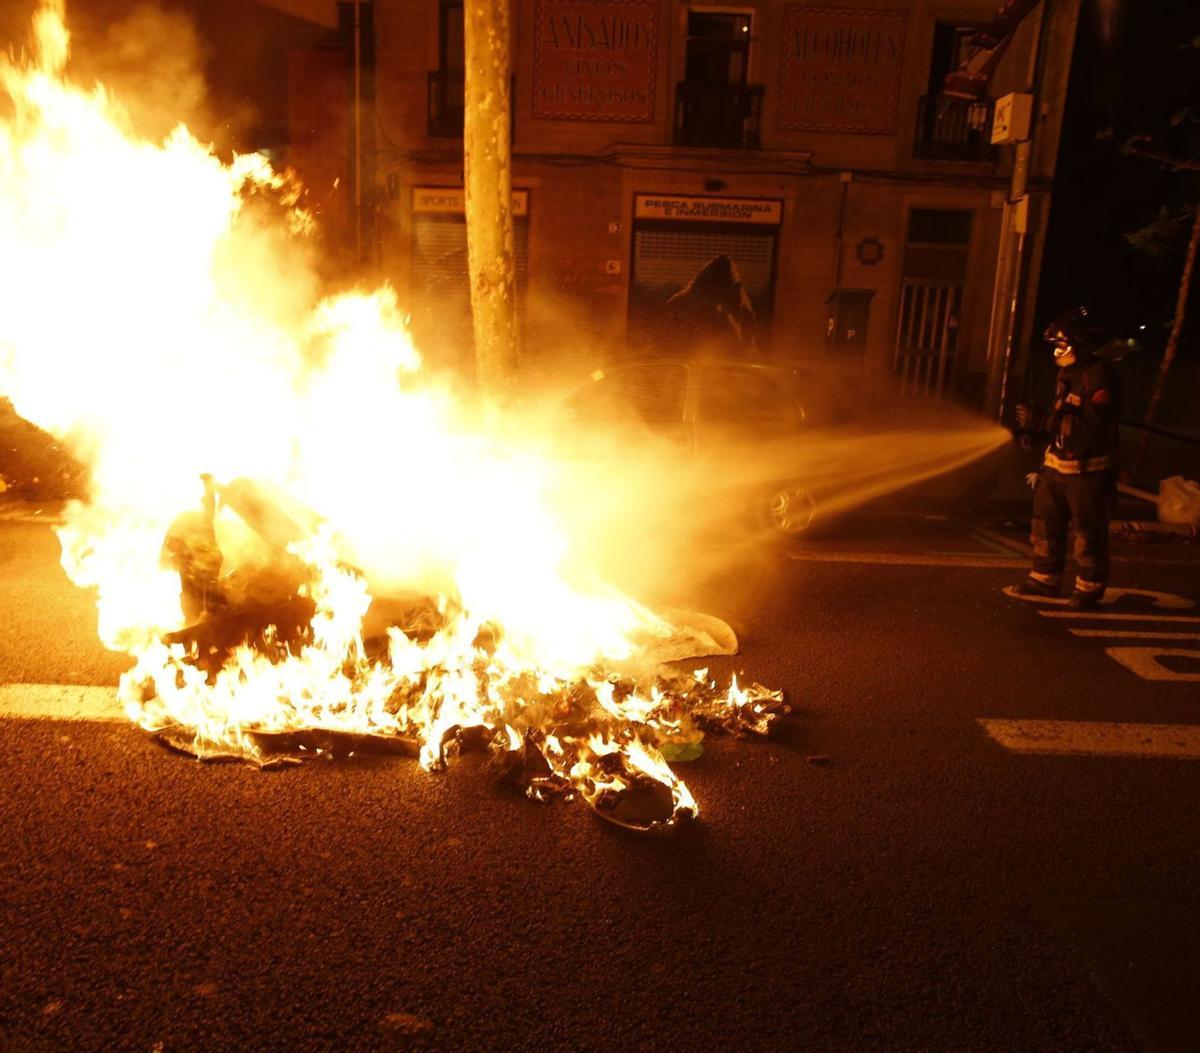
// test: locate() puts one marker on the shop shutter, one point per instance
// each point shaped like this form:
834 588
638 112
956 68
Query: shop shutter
440 254
667 257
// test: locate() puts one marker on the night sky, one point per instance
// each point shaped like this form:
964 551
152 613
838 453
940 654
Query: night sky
1133 67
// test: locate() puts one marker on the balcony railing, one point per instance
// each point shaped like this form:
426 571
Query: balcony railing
446 104
950 129
707 115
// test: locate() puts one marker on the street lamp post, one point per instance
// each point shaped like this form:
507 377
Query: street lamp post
1014 123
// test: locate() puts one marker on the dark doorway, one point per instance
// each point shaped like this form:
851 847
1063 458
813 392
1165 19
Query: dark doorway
714 106
718 50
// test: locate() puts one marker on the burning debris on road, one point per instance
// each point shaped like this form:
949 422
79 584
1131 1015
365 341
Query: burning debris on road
268 467
307 684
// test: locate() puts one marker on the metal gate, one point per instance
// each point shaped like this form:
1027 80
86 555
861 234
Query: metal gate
926 337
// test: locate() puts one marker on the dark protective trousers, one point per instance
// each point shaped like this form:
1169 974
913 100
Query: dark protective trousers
1083 503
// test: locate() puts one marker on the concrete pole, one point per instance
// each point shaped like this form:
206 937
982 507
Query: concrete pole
487 165
1007 288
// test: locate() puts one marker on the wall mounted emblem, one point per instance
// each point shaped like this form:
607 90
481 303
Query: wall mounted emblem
869 251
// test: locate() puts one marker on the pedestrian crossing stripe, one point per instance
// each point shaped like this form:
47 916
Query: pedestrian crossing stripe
60 702
1161 600
1063 737
1134 634
1127 616
1146 662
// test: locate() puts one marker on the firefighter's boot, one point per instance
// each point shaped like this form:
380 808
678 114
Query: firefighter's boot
1038 585
1087 594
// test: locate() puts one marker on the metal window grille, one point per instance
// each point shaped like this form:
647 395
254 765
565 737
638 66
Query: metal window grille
926 337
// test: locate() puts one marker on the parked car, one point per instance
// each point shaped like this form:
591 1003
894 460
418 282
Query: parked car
728 421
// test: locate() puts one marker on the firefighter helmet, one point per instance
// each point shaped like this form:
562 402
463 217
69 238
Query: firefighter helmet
1076 328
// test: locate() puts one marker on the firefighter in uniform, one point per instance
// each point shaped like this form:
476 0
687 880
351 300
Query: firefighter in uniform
1076 486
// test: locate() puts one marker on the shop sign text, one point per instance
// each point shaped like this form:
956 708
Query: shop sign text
841 70
594 60
758 210
451 201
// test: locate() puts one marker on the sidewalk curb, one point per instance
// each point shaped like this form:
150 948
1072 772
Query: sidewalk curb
1151 530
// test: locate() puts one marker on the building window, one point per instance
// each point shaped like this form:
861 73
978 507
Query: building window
714 105
718 49
450 46
949 52
951 128
948 227
446 82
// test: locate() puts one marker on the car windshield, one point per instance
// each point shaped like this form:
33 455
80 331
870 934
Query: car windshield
744 398
652 395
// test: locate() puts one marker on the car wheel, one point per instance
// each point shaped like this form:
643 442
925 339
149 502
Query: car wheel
789 510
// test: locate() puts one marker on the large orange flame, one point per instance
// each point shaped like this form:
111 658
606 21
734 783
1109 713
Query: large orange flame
161 317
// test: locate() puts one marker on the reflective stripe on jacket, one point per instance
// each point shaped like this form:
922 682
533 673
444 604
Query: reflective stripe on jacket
1083 425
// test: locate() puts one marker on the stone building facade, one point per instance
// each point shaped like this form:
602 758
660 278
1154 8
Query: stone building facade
807 142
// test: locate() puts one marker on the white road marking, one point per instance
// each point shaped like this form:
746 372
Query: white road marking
1134 634
1131 616
1145 662
1180 741
903 560
60 702
1162 600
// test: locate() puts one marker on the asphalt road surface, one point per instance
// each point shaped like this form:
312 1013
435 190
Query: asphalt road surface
889 873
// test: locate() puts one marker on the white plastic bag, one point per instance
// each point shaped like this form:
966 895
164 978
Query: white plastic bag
1179 501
